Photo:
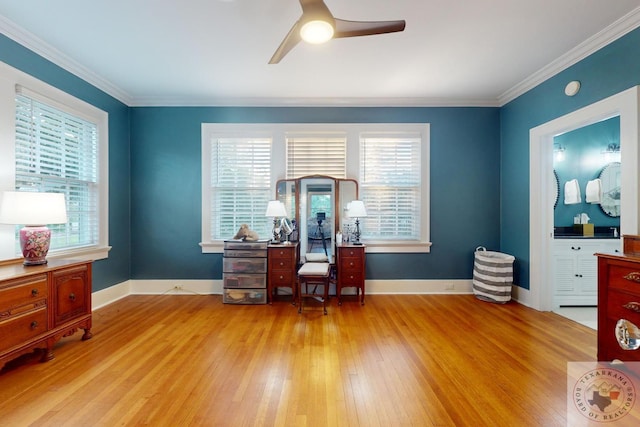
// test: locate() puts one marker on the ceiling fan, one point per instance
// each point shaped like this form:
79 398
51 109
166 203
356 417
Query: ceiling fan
317 25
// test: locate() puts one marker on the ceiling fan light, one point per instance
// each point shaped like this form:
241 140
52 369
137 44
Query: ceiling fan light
316 32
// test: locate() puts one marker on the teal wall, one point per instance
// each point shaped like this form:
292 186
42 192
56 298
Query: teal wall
608 71
116 268
166 188
584 161
479 170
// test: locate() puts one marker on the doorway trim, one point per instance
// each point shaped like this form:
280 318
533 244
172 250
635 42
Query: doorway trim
541 198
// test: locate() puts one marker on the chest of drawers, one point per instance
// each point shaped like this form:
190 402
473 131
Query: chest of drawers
283 262
618 298
350 265
244 272
41 304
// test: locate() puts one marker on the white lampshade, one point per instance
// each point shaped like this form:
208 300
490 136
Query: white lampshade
355 209
276 208
31 208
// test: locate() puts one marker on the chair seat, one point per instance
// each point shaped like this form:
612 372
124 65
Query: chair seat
314 269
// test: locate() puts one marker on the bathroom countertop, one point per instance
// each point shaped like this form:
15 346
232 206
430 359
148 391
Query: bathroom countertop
571 233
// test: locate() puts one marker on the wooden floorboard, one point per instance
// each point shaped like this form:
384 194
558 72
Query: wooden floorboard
400 360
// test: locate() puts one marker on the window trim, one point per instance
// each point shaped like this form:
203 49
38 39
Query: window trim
278 132
10 79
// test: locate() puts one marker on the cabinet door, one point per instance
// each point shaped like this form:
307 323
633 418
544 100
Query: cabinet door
71 293
565 274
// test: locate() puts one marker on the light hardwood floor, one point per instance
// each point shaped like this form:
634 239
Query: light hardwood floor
419 360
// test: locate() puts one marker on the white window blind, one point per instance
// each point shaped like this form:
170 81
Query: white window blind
390 185
319 154
240 185
57 151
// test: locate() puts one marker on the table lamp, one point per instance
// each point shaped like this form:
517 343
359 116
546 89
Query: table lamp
34 210
355 209
276 209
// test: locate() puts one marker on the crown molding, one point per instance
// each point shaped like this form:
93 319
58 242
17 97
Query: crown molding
42 48
619 28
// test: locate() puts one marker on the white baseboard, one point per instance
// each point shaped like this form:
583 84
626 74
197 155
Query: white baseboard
214 287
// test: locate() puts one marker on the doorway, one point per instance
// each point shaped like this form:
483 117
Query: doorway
541 185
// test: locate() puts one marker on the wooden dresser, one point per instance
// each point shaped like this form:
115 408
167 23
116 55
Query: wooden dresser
41 304
618 298
350 263
282 266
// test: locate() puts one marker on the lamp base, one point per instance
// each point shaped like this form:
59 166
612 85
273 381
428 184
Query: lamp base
34 242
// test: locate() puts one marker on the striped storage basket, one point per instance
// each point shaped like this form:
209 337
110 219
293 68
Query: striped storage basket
492 275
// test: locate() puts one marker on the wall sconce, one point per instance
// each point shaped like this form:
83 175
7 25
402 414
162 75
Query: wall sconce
276 209
558 152
34 210
355 209
612 153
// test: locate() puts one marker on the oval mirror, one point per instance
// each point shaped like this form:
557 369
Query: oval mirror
610 180
556 188
286 226
627 334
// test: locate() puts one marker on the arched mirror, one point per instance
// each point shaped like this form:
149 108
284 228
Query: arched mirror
555 191
610 179
317 203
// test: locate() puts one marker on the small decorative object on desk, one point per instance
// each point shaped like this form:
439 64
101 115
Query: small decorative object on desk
245 233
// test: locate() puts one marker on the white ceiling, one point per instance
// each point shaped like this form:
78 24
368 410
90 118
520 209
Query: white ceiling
215 52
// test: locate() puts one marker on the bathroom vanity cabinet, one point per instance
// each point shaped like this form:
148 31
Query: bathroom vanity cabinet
575 269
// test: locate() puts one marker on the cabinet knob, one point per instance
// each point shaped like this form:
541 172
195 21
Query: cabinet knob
34 324
633 276
576 248
72 296
633 306
34 292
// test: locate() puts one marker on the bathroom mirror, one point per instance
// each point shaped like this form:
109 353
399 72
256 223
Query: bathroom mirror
610 179
555 191
318 204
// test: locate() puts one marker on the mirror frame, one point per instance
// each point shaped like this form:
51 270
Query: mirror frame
293 188
607 204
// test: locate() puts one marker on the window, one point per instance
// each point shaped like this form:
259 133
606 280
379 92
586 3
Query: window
390 162
55 142
240 185
318 154
390 186
57 152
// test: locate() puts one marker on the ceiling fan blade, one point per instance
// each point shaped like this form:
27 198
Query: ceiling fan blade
364 28
290 41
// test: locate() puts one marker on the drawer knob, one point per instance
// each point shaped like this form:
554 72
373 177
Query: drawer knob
34 292
34 324
281 277
627 334
633 276
633 306
72 296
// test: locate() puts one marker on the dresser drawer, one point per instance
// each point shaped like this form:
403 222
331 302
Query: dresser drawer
23 291
282 253
242 245
244 296
23 327
352 252
245 253
348 264
277 264
248 280
621 305
281 278
244 265
624 276
351 278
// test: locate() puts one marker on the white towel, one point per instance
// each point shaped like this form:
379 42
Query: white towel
572 192
593 192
